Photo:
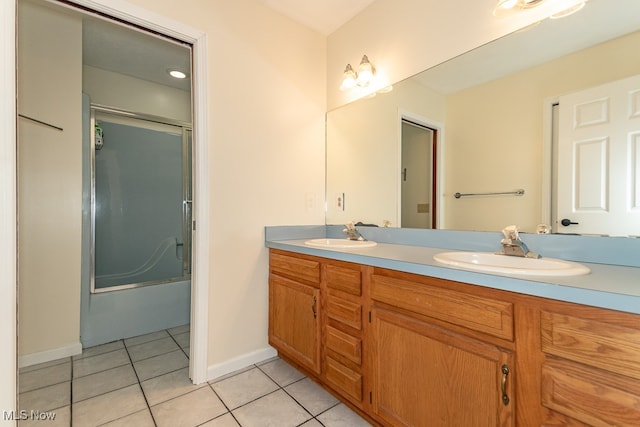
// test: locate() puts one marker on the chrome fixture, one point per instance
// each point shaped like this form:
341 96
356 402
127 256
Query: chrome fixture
513 246
352 232
519 192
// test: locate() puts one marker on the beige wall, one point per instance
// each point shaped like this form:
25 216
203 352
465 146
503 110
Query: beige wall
49 180
266 125
494 132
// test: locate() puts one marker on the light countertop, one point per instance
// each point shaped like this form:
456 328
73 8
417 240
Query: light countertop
607 286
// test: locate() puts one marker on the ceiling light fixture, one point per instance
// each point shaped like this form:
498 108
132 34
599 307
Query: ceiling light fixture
177 74
362 78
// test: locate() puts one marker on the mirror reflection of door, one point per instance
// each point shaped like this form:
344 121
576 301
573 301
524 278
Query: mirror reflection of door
599 160
417 179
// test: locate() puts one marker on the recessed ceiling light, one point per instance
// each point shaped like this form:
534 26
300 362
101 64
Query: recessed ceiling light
177 74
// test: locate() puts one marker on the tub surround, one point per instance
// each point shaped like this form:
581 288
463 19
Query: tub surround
614 281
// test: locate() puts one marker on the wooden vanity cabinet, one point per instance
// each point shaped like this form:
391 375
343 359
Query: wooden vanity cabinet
343 317
412 350
590 373
294 308
439 357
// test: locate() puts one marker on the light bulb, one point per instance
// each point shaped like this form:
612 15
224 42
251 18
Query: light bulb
349 78
365 72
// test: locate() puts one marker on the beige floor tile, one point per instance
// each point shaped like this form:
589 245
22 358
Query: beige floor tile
225 420
103 382
183 339
341 416
99 363
243 388
314 398
140 339
139 419
168 386
312 423
108 407
152 348
60 417
44 377
180 329
46 398
281 372
190 409
99 349
159 365
275 409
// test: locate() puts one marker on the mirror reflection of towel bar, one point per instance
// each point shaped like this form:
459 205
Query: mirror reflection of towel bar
518 192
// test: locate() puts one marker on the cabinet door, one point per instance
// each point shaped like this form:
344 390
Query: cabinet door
294 321
424 375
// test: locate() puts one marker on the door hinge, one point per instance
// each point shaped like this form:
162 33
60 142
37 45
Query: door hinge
193 225
370 397
369 317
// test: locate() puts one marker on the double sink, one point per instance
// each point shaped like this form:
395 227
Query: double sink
478 261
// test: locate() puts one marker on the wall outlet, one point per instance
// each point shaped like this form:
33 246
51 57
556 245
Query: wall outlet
340 201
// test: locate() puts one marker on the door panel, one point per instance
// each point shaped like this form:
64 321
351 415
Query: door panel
599 160
425 375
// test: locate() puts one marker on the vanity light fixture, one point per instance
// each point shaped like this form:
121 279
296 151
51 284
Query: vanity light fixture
362 78
566 7
507 6
349 79
572 6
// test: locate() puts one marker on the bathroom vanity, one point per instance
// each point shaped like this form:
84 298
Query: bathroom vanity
409 348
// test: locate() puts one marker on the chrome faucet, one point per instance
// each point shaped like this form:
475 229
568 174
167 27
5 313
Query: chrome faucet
352 232
513 246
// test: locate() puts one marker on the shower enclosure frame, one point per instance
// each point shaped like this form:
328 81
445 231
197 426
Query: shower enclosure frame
187 193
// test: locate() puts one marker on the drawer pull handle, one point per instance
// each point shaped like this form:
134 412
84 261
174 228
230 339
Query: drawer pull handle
313 308
505 374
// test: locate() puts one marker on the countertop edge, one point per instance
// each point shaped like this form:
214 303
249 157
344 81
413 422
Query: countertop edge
578 289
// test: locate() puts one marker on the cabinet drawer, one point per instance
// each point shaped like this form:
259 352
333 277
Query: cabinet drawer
485 315
344 279
347 312
344 379
295 267
603 345
590 396
344 344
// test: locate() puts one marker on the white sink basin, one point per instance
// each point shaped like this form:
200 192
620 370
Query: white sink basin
340 243
495 263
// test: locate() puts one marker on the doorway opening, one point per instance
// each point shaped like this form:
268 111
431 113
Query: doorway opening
135 20
418 180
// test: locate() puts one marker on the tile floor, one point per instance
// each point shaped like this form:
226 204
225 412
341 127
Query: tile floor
143 381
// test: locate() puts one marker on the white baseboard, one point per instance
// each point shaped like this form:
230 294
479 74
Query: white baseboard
49 355
240 362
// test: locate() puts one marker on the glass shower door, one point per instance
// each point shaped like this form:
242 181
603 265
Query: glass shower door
141 202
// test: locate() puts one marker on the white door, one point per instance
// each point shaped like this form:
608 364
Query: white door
599 160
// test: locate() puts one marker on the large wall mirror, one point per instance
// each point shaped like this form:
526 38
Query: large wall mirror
489 119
